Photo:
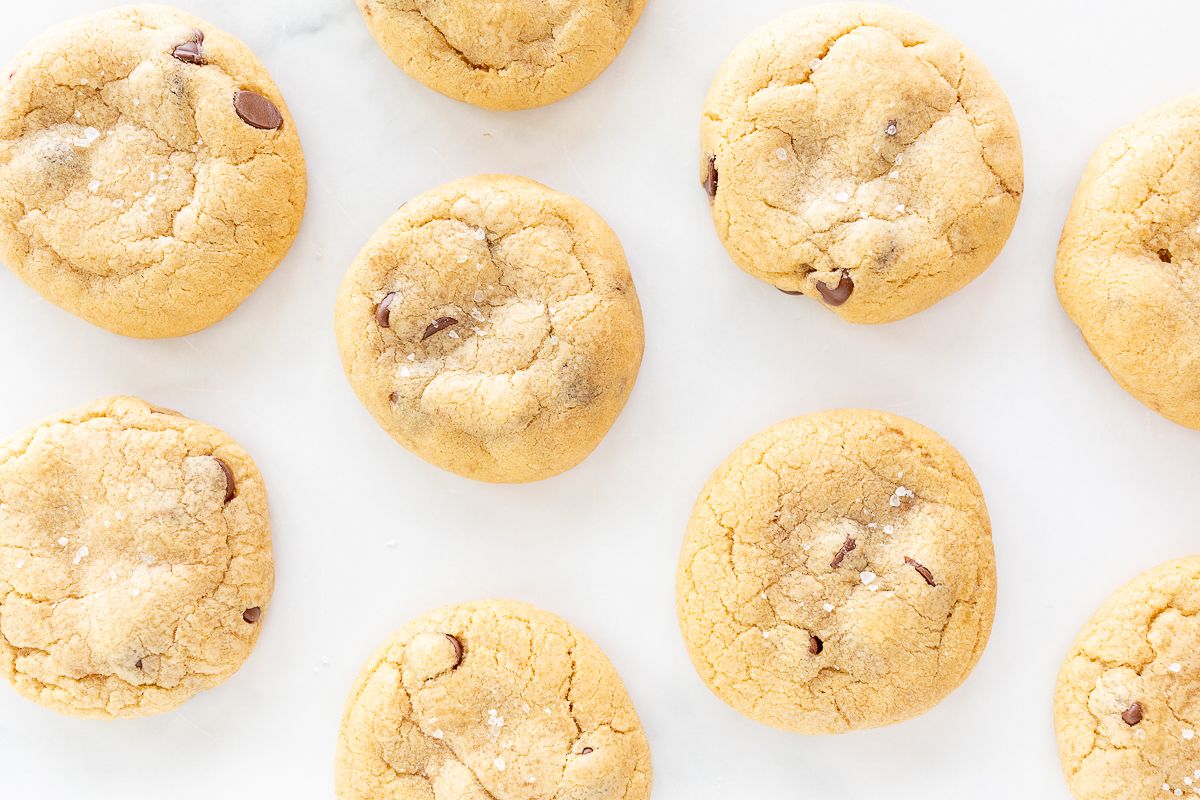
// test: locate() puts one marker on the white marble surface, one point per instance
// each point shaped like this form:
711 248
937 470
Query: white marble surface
1086 487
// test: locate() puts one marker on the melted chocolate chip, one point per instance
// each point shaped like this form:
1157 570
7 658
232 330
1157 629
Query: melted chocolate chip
1164 256
586 751
1132 715
251 615
458 650
921 570
191 51
840 555
838 294
230 484
892 127
815 645
257 111
789 291
439 324
383 311
710 180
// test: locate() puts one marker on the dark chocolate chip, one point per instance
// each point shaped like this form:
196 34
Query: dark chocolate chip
230 484
458 650
439 324
1132 715
921 570
838 294
383 311
1164 256
710 180
252 615
892 127
788 291
257 111
191 51
815 645
840 555
586 751
139 666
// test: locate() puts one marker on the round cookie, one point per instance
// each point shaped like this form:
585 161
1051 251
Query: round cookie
1128 269
135 559
1127 706
491 326
504 55
838 573
150 174
860 155
491 700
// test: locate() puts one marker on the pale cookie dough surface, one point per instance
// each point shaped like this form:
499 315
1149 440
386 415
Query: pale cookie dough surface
859 155
838 573
135 559
1129 260
491 701
492 327
1127 707
502 54
132 191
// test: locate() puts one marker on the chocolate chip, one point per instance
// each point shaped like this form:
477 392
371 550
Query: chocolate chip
921 570
1164 256
458 650
252 615
838 294
257 111
191 51
586 751
840 555
815 645
393 397
139 666
1132 715
892 127
710 180
230 484
788 291
383 311
439 324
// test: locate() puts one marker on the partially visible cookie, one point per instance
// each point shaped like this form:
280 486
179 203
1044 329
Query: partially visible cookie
491 700
503 54
135 559
838 573
1129 261
859 155
151 176
1127 707
491 326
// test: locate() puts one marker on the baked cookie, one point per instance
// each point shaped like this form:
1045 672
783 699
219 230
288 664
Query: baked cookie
491 700
1127 707
502 54
1129 262
838 573
135 559
860 155
150 174
491 326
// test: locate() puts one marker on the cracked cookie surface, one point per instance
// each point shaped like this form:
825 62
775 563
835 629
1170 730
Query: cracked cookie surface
838 573
859 155
502 54
1128 270
1127 706
492 700
491 326
151 176
135 559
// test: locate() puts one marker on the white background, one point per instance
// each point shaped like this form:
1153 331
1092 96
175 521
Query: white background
1086 487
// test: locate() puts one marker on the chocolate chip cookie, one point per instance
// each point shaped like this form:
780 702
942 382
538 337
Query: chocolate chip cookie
503 54
491 326
151 176
135 559
838 573
491 700
1126 708
1129 261
861 156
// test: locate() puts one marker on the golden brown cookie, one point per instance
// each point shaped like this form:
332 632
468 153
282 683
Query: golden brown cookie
491 326
1127 707
491 701
151 176
838 573
135 559
859 155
